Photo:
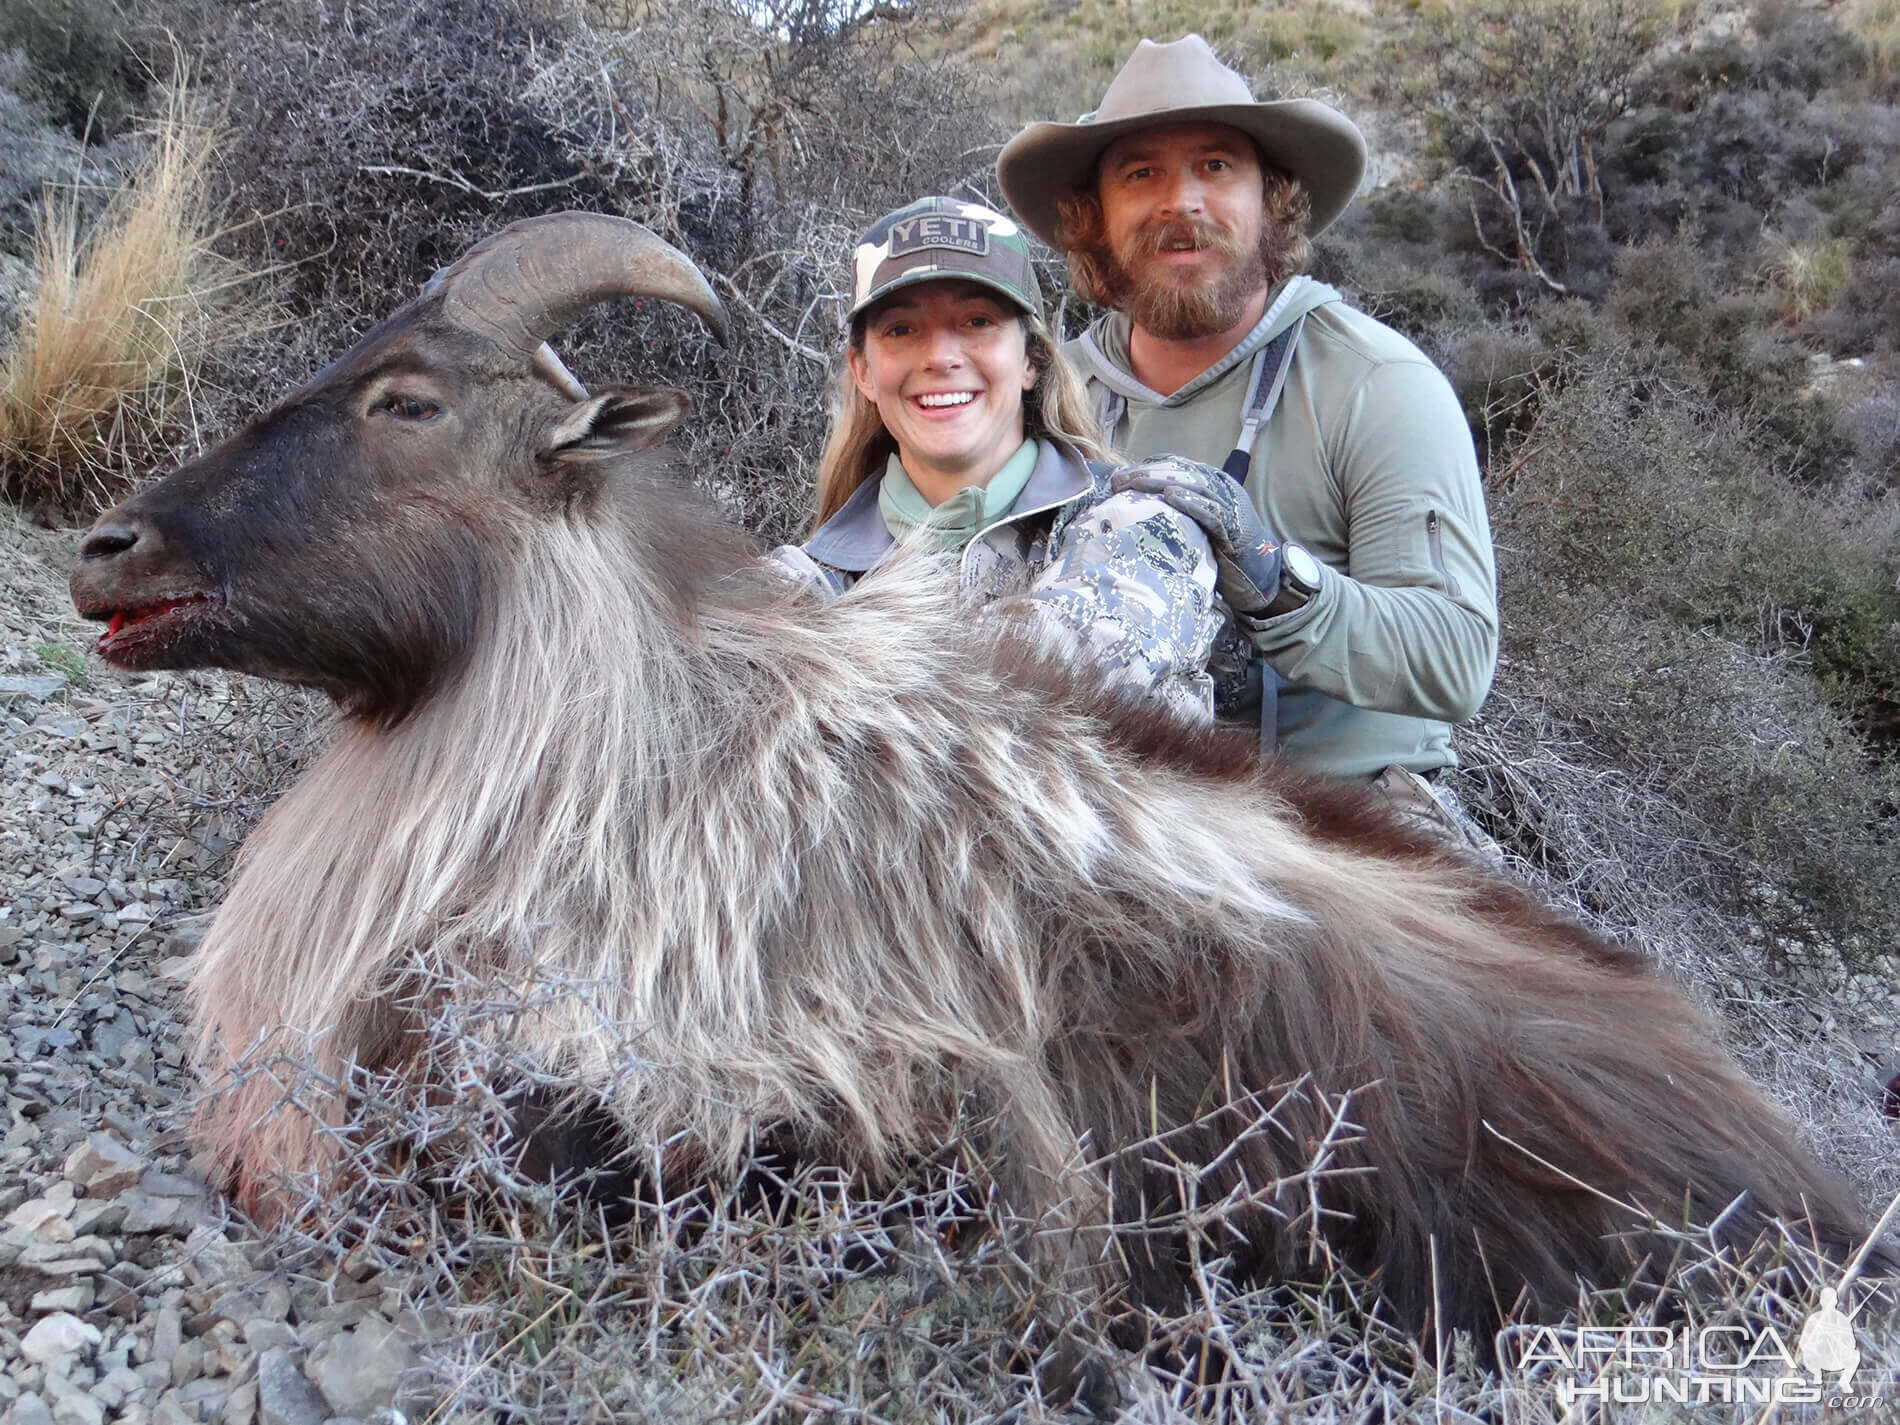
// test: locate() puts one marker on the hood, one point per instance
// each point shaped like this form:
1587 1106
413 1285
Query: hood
1102 350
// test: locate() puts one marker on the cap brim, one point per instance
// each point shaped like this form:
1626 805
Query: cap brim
913 279
1309 141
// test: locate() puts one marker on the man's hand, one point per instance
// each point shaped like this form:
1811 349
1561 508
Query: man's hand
1248 556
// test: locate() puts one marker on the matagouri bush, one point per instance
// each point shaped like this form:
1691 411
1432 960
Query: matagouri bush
1680 367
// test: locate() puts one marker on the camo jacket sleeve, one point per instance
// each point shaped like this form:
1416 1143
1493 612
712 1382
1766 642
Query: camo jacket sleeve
1131 581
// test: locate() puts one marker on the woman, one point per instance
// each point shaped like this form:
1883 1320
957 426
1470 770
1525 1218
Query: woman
959 423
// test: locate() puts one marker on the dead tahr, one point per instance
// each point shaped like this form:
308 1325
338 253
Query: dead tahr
846 869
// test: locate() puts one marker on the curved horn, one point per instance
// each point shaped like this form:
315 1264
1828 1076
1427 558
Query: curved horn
524 283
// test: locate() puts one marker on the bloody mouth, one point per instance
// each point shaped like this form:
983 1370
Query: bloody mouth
146 623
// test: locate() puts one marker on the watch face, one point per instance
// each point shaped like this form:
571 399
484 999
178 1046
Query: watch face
1304 568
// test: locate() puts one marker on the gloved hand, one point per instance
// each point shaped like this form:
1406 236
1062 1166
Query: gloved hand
1248 556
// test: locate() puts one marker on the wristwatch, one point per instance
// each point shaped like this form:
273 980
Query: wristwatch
1300 574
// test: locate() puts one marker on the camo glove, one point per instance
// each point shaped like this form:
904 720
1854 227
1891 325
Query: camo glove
1248 556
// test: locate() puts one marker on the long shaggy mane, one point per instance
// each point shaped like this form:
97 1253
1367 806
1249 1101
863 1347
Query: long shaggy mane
844 868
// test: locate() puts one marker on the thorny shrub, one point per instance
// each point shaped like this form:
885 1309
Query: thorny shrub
1734 637
800 1289
379 143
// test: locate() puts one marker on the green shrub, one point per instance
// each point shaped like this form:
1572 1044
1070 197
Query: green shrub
381 142
61 659
1659 289
1734 347
83 72
1572 332
1421 304
1505 376
1806 276
1408 215
1730 636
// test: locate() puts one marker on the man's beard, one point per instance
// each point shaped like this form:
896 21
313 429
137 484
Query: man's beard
1184 306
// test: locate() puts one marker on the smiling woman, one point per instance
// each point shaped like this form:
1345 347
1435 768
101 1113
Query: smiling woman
960 426
946 364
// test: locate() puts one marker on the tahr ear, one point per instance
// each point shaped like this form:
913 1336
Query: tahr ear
618 421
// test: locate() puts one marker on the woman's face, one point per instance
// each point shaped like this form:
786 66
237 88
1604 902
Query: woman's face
946 365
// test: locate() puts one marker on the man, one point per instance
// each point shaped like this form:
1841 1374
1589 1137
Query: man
1357 560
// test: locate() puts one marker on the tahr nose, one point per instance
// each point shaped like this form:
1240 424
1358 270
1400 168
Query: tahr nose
110 539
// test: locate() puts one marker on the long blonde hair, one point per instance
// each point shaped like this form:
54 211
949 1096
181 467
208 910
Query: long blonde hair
1055 408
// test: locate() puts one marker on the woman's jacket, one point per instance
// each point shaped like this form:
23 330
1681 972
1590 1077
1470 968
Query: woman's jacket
1123 577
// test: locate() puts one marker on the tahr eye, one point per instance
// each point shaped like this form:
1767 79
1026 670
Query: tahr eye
408 408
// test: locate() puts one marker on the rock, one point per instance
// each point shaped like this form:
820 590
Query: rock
31 1040
137 1058
274 1302
45 1217
119 1384
110 1038
185 935
173 1185
102 1165
118 1298
269 1335
211 1256
145 1213
29 1409
187 1363
61 1334
73 1299
49 1264
360 1369
168 1333
98 1215
206 1397
240 1407
34 687
284 1395
78 1409
57 1259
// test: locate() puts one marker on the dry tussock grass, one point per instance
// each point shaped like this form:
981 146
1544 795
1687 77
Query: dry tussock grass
125 316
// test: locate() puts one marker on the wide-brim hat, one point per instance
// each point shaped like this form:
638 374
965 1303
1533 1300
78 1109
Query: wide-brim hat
1182 83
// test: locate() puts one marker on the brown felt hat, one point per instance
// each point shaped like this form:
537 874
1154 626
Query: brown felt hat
1182 83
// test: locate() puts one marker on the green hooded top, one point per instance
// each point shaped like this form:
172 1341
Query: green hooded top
1367 462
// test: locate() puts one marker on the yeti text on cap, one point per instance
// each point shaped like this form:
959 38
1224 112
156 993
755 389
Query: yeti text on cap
940 230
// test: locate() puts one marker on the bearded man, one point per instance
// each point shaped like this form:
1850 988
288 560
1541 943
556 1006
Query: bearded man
1355 552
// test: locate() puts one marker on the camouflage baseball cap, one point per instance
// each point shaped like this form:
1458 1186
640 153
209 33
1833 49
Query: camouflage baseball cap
935 238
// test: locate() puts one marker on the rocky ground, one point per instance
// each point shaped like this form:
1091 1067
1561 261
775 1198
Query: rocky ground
129 1291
